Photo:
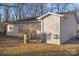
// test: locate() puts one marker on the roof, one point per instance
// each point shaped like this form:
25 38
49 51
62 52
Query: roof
65 13
28 19
24 20
35 19
50 13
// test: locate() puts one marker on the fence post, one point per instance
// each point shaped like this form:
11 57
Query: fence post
25 38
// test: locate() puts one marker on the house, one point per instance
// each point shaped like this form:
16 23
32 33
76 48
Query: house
58 28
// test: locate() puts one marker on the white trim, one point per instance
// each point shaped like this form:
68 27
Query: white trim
50 13
42 26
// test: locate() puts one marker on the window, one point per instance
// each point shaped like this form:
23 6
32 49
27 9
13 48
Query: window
10 28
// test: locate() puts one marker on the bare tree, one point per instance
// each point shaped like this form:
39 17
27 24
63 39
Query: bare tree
6 13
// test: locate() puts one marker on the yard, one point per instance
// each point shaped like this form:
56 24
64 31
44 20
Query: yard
14 46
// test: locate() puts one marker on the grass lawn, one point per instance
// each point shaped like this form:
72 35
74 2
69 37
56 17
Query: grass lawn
14 46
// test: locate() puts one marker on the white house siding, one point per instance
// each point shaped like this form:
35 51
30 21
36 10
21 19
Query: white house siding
68 28
17 27
15 31
52 26
31 25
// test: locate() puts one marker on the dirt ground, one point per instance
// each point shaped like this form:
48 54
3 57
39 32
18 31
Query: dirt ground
14 46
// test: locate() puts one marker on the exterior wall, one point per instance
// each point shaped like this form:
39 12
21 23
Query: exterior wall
16 27
14 31
68 28
32 25
52 28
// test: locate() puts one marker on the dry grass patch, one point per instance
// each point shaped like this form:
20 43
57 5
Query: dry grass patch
14 46
39 49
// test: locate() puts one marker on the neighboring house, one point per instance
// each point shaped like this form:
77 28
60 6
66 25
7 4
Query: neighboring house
58 28
13 28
